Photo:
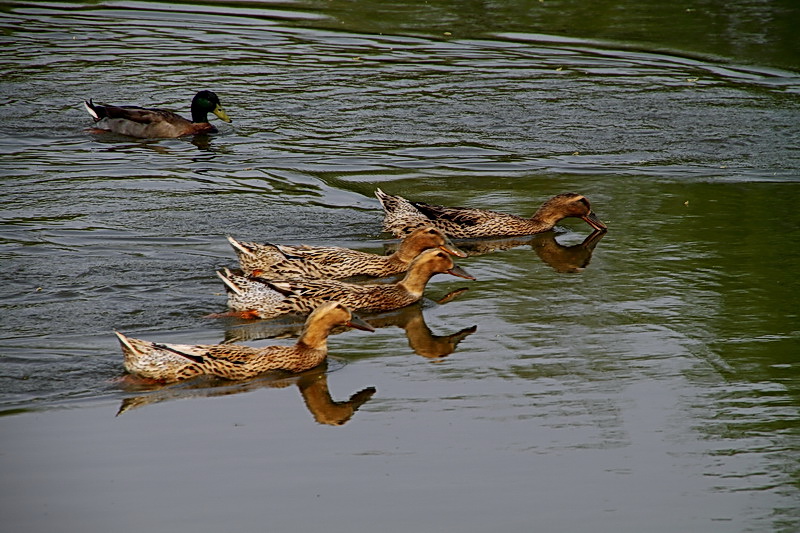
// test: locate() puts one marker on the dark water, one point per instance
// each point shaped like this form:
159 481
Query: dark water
646 381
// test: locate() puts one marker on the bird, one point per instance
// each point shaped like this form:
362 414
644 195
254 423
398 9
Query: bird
276 261
402 216
149 123
255 297
179 362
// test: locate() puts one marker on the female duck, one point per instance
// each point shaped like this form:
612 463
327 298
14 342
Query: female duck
262 298
177 362
402 216
274 261
155 123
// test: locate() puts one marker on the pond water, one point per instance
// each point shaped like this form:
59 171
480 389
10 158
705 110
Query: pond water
641 380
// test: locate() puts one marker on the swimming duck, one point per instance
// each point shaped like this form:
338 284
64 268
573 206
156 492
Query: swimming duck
254 297
177 362
154 123
402 216
275 261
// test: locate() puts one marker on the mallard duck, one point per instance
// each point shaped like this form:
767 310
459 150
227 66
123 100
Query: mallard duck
254 297
177 362
275 261
402 216
154 123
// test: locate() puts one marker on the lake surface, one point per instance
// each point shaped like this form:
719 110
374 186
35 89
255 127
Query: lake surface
643 380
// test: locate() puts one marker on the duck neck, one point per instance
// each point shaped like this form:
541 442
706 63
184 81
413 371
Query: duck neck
199 116
416 279
405 253
315 336
544 219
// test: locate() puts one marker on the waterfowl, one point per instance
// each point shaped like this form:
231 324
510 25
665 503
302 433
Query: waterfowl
402 216
275 261
177 362
255 297
154 123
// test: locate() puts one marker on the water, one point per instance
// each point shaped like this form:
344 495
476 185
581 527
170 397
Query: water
649 383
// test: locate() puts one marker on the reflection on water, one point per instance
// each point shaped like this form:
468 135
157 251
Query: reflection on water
410 318
672 356
313 387
561 258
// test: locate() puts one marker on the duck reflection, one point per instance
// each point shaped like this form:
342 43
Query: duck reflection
411 319
313 386
420 337
561 258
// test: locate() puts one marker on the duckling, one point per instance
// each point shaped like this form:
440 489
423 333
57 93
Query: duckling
275 261
256 297
402 216
149 123
178 362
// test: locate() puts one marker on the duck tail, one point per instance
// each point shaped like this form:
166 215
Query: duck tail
225 275
126 343
240 247
382 197
97 112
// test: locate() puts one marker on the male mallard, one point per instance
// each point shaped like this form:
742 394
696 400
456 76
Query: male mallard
153 123
255 297
177 362
402 216
275 261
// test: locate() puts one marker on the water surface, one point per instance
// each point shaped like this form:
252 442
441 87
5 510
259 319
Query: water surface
647 381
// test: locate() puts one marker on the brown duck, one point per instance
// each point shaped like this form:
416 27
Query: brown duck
275 261
402 216
254 297
177 362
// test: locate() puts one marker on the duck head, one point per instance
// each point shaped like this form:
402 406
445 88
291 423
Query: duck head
206 102
337 314
427 237
566 205
438 261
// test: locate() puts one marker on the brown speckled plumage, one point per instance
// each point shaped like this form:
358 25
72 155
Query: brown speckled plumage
177 362
274 261
403 216
262 298
151 123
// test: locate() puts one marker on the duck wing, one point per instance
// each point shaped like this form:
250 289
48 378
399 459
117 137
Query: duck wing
463 216
140 115
203 354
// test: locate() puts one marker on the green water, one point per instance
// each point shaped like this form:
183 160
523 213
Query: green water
648 382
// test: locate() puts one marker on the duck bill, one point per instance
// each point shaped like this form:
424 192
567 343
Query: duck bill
451 249
460 272
594 222
358 323
221 113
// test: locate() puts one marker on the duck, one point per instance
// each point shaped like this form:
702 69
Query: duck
276 261
402 216
256 297
149 123
178 362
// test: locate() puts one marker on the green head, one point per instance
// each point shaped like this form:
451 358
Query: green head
206 102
